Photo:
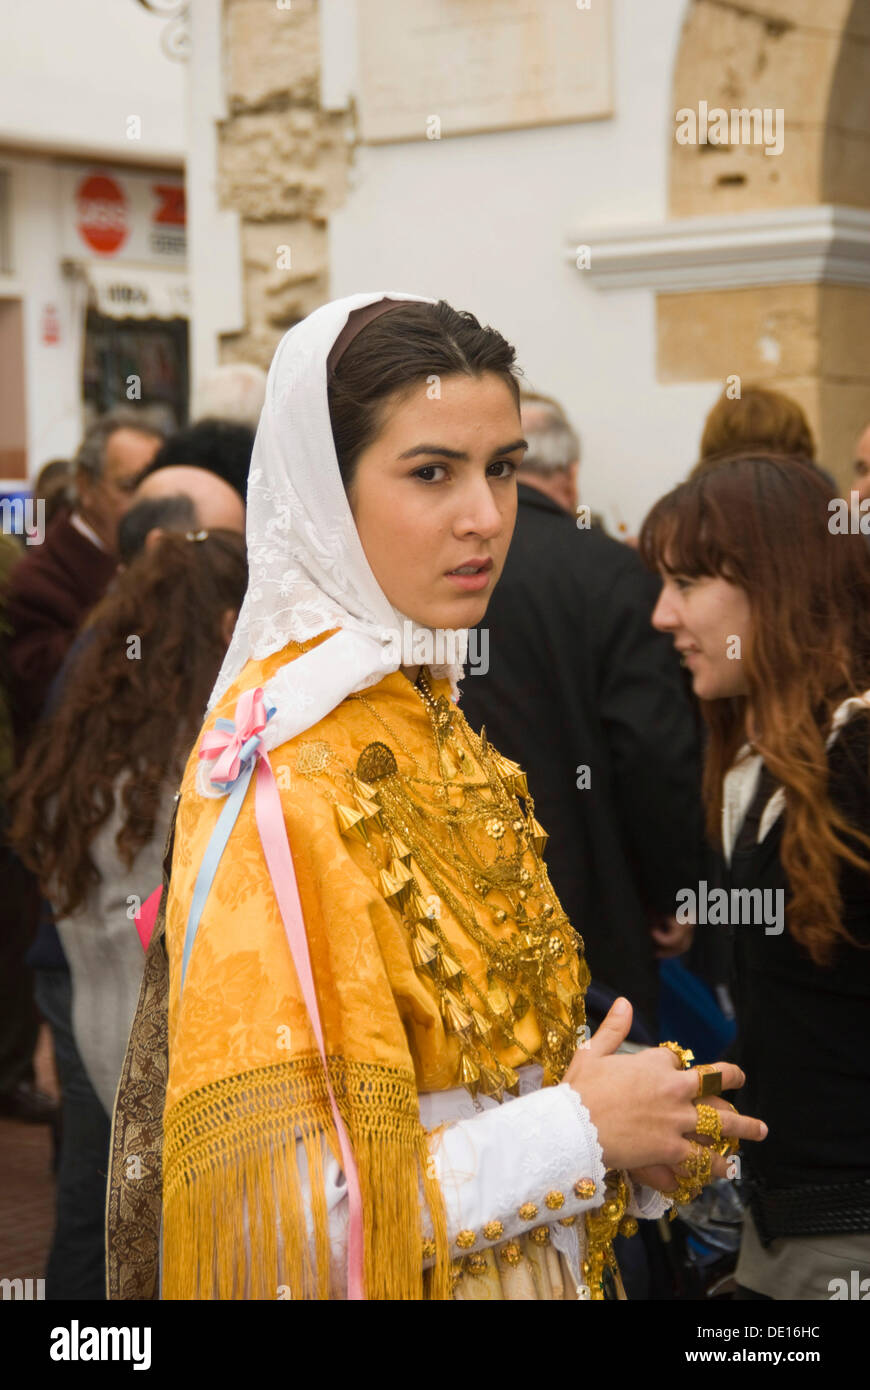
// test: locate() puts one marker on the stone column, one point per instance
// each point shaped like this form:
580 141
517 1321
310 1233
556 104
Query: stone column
812 61
282 165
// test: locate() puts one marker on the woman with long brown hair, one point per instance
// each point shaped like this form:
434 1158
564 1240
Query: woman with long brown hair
771 612
92 804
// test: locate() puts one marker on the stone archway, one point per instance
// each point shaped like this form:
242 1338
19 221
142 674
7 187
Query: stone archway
810 61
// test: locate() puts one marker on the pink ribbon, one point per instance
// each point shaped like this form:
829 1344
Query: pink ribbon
147 916
236 744
233 742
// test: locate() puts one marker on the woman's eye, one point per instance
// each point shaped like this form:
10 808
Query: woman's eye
683 584
507 465
425 473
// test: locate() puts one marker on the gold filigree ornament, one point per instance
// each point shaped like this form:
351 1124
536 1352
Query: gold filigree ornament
600 1269
313 758
442 845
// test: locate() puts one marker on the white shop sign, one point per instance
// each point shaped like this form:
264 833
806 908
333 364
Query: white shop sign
112 215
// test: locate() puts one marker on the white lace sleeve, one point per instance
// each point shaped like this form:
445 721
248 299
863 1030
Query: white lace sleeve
647 1204
519 1165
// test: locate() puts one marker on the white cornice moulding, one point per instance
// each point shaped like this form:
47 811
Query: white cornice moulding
813 245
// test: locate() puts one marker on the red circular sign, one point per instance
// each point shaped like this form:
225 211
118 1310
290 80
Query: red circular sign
102 213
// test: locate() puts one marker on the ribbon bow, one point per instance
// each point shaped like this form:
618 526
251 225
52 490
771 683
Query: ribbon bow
236 742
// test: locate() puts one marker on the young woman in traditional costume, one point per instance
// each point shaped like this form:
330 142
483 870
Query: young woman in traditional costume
354 1067
771 609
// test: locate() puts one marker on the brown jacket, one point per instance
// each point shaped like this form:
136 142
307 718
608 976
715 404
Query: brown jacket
51 591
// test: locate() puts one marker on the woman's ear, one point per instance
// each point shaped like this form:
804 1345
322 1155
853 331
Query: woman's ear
227 624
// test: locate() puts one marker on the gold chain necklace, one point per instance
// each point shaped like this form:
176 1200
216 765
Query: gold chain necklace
522 969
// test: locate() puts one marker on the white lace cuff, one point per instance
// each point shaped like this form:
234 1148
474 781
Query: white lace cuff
647 1204
529 1162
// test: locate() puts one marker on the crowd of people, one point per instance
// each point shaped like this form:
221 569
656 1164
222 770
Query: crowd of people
334 946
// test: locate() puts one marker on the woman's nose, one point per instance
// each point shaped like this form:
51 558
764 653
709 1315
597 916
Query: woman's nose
664 619
480 513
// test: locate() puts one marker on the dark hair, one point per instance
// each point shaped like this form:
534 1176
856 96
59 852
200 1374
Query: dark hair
167 513
223 447
398 350
122 716
762 524
757 420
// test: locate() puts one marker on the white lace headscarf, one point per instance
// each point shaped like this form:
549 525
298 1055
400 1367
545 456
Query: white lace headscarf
307 568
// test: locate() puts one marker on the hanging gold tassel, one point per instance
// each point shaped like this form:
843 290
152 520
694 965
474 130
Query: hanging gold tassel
455 1013
351 823
398 848
424 946
395 880
469 1073
371 810
448 965
538 835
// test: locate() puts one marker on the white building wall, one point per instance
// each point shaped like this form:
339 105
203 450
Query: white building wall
485 221
73 71
52 371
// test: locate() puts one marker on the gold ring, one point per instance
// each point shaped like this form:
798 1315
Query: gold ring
709 1081
709 1123
685 1054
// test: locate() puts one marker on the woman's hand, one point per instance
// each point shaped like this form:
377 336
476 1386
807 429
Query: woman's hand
641 1102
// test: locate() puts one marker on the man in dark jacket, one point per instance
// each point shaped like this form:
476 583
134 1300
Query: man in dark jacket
57 583
589 699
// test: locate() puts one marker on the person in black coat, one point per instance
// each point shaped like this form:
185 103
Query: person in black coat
772 613
590 700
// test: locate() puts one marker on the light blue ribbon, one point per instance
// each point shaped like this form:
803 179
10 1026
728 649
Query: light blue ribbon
219 836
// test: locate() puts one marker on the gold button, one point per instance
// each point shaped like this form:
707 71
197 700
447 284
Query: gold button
554 1200
584 1189
466 1239
628 1226
493 1230
567 1220
428 1249
476 1264
540 1235
528 1211
511 1254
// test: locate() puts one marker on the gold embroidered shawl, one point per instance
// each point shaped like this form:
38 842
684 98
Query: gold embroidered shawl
440 956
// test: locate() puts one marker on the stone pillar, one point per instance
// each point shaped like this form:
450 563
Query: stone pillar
282 165
811 61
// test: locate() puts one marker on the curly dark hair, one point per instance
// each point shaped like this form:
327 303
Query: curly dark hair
132 705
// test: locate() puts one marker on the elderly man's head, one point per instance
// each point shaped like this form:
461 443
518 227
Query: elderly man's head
179 498
552 461
110 461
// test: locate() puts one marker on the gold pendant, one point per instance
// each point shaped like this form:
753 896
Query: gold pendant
351 823
538 834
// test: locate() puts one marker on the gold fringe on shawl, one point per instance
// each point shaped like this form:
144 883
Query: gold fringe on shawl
233 1215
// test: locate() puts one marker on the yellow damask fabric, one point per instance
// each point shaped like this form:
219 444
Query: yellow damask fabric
405 1008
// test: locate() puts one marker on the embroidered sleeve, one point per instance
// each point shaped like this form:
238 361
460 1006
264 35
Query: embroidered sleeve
523 1164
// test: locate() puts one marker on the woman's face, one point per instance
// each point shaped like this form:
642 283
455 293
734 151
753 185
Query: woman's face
709 619
435 493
